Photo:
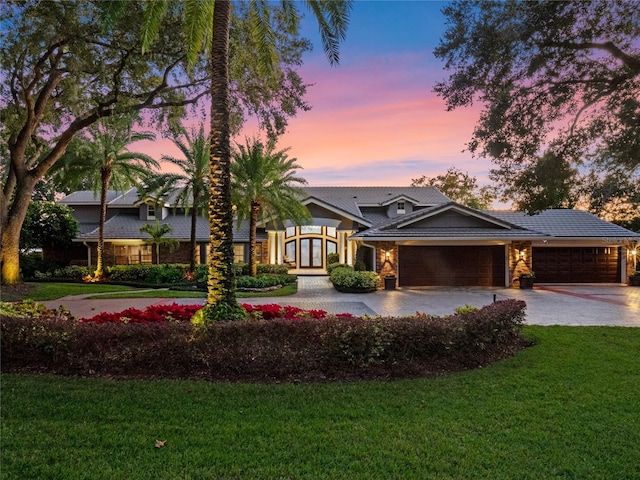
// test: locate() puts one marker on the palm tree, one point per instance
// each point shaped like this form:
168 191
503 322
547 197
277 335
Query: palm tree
264 186
195 167
105 161
157 233
206 26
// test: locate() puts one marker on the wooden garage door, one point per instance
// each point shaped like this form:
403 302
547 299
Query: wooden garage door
451 266
576 265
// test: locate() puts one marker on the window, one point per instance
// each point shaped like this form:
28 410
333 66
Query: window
290 252
332 232
132 254
290 232
332 247
310 230
400 208
238 252
151 212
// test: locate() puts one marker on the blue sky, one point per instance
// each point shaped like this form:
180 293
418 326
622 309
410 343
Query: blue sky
375 119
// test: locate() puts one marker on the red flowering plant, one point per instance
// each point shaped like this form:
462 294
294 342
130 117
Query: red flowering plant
272 310
183 313
152 314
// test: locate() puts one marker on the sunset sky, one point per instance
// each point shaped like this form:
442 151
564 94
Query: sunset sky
375 119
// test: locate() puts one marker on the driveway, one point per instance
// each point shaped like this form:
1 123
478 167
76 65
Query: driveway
577 305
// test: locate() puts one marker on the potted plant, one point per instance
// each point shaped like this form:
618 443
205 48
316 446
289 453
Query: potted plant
527 280
634 279
389 281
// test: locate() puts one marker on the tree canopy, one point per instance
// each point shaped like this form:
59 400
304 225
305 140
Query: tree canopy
460 187
48 224
65 67
558 77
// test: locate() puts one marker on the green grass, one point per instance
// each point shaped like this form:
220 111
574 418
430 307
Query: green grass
164 293
565 408
52 291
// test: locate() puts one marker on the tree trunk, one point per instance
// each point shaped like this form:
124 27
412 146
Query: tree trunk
194 222
105 176
253 226
10 247
221 282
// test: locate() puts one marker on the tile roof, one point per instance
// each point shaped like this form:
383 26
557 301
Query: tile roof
89 197
349 199
565 223
128 227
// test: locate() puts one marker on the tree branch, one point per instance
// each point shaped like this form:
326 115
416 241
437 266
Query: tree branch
630 61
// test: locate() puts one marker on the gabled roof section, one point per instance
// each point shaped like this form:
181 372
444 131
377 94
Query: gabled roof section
348 212
421 215
400 198
418 225
350 199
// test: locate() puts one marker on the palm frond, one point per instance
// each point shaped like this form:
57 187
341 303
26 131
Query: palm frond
154 12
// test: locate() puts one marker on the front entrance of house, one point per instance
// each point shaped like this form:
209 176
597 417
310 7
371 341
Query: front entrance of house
311 253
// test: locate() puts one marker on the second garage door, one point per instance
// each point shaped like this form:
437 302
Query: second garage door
451 266
576 264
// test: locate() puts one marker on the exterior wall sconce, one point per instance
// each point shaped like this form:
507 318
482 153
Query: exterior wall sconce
387 255
521 254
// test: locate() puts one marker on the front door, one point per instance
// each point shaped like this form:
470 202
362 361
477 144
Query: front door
310 253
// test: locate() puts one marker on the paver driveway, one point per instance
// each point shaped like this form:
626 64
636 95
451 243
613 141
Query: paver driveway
546 304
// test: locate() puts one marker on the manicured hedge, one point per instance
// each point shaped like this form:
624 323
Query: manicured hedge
349 281
165 274
258 350
264 281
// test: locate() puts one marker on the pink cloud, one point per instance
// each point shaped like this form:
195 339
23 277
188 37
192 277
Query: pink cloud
374 113
373 122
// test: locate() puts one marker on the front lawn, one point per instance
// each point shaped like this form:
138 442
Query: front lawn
43 291
166 293
565 408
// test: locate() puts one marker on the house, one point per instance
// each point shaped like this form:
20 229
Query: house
414 233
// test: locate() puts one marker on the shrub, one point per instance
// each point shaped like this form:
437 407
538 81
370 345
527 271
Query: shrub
264 281
350 281
280 349
72 272
242 269
333 258
201 274
332 266
147 273
271 268
30 263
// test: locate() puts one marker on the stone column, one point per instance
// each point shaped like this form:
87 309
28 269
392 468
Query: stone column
341 246
280 253
350 248
272 247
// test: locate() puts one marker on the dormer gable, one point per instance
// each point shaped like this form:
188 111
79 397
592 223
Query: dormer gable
452 216
151 209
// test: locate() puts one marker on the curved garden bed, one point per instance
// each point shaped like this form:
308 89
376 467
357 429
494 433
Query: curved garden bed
304 347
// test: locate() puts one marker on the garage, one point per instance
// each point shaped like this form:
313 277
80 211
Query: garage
451 266
576 264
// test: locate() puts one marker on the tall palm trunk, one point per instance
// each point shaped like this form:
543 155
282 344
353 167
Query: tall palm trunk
105 178
253 227
221 282
194 220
